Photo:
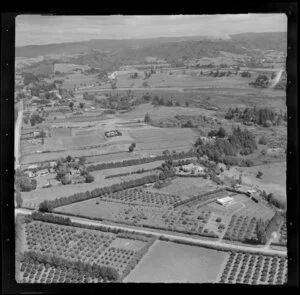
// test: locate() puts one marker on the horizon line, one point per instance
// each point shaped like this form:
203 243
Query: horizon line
160 37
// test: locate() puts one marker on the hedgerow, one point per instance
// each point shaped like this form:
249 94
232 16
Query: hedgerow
132 162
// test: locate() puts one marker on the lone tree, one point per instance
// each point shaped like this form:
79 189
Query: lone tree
71 105
43 135
147 118
186 103
89 178
259 174
81 105
221 132
132 147
45 207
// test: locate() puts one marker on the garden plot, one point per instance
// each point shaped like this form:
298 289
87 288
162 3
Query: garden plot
168 262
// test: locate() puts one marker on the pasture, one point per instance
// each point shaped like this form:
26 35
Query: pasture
168 262
273 179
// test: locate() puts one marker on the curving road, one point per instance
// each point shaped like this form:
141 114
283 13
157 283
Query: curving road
263 250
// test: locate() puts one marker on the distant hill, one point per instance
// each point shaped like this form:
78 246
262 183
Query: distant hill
98 45
263 41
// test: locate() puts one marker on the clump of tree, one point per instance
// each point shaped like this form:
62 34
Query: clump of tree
225 150
36 118
132 147
29 78
134 75
245 74
259 174
262 81
262 140
221 133
89 178
23 182
145 84
258 116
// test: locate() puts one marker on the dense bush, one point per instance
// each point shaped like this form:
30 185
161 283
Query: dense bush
50 218
223 150
89 178
24 183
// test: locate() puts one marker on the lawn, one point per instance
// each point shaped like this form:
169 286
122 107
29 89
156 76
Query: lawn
168 262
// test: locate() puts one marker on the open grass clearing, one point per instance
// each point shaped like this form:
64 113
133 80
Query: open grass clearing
187 186
168 262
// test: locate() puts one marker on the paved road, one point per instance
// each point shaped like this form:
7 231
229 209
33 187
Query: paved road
18 136
264 250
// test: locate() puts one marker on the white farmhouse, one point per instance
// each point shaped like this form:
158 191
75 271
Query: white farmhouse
225 201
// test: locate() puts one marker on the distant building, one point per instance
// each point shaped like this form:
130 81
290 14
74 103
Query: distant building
36 133
190 169
53 164
42 172
31 167
74 172
29 173
225 201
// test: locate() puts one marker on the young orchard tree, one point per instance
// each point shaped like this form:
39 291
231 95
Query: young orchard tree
147 118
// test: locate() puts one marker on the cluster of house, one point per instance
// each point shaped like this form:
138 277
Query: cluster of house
190 169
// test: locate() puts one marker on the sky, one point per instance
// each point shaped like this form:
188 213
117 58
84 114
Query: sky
38 30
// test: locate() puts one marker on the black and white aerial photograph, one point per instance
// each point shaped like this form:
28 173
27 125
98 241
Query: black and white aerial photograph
151 149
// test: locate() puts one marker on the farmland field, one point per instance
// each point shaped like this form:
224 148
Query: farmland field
172 263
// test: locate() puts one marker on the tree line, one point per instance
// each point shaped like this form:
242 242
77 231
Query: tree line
133 162
261 116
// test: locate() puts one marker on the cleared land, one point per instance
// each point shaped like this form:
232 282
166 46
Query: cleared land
173 263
